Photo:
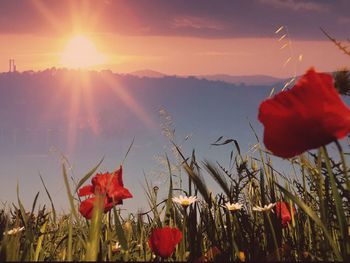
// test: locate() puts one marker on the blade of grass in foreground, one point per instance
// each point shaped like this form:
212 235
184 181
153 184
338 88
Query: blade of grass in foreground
70 239
338 204
34 203
40 240
88 175
218 177
196 178
93 244
51 202
170 196
69 193
127 152
119 230
21 208
314 217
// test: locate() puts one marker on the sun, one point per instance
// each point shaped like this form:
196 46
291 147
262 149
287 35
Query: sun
80 52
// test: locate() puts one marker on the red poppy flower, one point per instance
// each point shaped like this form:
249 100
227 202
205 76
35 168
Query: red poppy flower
108 184
210 256
283 212
164 240
309 115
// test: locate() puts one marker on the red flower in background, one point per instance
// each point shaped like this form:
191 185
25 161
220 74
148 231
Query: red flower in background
210 256
283 212
110 185
164 240
309 115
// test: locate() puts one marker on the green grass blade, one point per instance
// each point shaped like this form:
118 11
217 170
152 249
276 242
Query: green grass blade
218 177
40 239
23 212
169 202
88 175
34 203
127 152
93 244
314 217
199 183
70 239
345 167
51 202
119 230
69 193
337 200
196 179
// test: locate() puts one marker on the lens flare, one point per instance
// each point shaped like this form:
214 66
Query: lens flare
80 52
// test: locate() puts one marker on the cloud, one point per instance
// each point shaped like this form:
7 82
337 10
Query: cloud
297 5
223 54
196 23
194 18
343 20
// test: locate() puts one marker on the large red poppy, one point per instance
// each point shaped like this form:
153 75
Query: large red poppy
309 115
283 212
164 240
110 185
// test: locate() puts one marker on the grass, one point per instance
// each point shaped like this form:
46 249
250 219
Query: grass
319 229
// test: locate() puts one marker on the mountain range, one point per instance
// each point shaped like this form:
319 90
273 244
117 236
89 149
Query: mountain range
262 80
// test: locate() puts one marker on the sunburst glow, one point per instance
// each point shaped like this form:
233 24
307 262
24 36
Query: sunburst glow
80 52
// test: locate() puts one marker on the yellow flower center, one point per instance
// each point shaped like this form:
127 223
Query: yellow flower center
185 203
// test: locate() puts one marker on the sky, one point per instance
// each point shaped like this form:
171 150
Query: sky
182 37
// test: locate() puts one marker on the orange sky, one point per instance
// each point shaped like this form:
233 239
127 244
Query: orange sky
180 55
176 37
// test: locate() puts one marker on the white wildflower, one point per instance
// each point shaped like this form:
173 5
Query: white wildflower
184 200
233 206
14 231
265 208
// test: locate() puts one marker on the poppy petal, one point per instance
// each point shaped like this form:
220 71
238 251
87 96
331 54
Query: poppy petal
164 240
102 182
283 212
119 193
118 175
308 116
86 190
86 207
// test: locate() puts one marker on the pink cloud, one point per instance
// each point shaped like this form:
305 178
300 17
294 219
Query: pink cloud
196 23
296 5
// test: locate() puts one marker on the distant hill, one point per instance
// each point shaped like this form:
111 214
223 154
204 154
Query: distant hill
246 80
256 80
147 73
31 103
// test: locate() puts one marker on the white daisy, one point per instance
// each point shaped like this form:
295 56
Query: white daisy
233 206
265 208
184 200
14 231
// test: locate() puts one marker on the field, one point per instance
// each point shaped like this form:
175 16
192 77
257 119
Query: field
261 214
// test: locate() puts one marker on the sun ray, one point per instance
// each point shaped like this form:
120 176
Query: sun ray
130 102
74 110
49 16
88 100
